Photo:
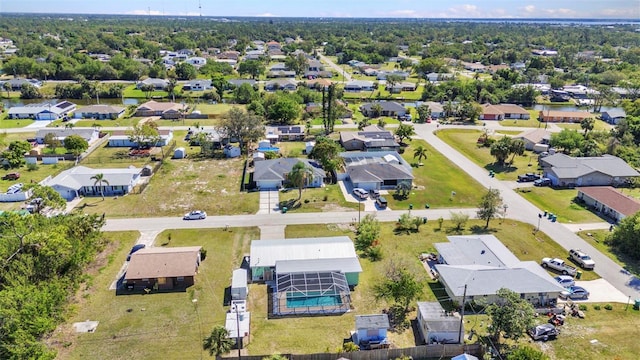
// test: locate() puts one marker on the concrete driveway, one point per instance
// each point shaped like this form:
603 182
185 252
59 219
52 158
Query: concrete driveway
368 204
269 202
601 291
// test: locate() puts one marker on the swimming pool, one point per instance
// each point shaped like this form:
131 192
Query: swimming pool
310 301
265 149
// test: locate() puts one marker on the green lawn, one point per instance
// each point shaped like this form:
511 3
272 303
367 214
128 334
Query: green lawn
597 125
434 182
559 202
12 124
141 326
132 92
596 238
328 198
120 122
216 109
531 122
465 141
292 149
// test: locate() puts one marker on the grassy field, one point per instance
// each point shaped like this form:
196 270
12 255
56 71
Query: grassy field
132 92
531 122
180 186
559 202
12 124
435 180
328 198
292 149
597 239
215 109
465 141
597 125
120 122
143 326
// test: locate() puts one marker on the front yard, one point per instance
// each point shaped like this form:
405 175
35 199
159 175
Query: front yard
328 198
559 202
596 238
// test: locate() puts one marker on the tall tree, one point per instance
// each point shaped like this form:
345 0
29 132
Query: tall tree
49 197
587 125
253 68
424 112
14 155
405 131
52 141
241 125
218 342
420 152
7 87
626 236
510 315
145 134
516 147
299 176
500 149
171 89
99 180
285 110
398 285
327 152
489 206
75 144
567 140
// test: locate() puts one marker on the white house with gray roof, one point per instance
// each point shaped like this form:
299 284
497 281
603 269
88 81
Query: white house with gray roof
376 170
607 170
44 111
89 134
387 108
272 174
483 265
78 181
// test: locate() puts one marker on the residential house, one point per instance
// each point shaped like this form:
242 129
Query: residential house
387 108
278 67
196 61
437 109
535 140
89 134
503 112
436 77
229 55
382 75
99 112
376 170
400 87
359 85
314 65
230 62
78 181
273 45
158 84
544 52
477 266
317 74
254 55
43 111
162 268
166 110
121 138
564 116
272 174
492 69
238 82
16 84
198 85
318 83
285 133
371 138
607 170
281 74
609 202
475 67
298 270
613 116
371 331
281 84
436 325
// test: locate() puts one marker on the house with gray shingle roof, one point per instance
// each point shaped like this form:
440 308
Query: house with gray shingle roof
376 170
99 112
272 174
78 181
481 265
567 171
388 108
613 116
371 138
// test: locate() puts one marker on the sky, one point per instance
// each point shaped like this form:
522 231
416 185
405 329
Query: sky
573 9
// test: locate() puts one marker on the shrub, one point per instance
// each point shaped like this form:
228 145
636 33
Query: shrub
32 167
582 307
596 307
608 307
203 253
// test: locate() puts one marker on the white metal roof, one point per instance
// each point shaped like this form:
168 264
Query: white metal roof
345 265
265 253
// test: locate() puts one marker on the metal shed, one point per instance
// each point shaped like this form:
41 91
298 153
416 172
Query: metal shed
239 288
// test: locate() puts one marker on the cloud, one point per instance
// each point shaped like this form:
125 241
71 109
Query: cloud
146 12
403 13
265 15
529 9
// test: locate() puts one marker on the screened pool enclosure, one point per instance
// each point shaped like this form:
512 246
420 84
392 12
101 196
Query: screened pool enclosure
311 293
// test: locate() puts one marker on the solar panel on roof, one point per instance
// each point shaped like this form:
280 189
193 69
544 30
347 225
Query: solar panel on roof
63 105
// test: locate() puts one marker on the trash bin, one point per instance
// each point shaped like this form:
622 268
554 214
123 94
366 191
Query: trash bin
545 213
550 216
636 305
424 220
554 218
284 209
578 275
426 206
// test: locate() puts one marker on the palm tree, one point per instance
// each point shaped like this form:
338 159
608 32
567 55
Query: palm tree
587 125
7 87
171 88
99 181
218 342
421 153
299 177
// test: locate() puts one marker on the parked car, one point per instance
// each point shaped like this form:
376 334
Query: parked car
565 280
528 177
360 193
15 188
582 259
543 332
381 202
11 176
542 182
195 215
374 193
558 265
575 293
134 249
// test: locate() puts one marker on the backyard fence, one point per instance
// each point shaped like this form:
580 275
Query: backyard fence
435 351
155 166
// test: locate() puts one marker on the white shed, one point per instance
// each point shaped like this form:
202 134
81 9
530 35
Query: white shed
438 326
308 147
258 156
264 144
239 288
179 153
231 151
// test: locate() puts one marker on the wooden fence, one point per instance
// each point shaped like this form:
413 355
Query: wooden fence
435 351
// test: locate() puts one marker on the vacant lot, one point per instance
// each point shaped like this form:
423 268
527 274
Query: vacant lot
180 186
435 181
532 122
465 141
597 239
328 198
143 326
559 202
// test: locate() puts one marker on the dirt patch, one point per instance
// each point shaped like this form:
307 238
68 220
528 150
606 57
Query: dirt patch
334 207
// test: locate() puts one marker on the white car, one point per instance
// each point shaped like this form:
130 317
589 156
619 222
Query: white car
360 193
565 280
195 215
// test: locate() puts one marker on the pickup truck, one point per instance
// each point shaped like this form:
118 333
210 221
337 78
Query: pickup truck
558 265
581 259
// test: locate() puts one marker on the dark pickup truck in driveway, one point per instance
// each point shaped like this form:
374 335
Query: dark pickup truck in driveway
528 177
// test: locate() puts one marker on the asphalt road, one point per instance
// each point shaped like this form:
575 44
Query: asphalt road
336 67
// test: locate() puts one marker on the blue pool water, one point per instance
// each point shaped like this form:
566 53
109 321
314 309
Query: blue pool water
265 149
327 300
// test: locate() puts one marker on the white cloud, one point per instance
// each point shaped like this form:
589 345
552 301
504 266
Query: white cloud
529 9
146 12
265 15
403 13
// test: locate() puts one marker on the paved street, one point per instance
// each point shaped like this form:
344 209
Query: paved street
336 67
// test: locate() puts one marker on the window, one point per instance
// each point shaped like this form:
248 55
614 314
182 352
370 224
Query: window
180 278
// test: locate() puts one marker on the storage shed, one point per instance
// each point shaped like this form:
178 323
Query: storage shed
239 288
371 331
438 326
179 153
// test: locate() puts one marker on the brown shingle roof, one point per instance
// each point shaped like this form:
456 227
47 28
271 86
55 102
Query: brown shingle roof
613 199
163 262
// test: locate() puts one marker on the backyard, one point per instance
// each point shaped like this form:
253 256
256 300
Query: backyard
436 180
